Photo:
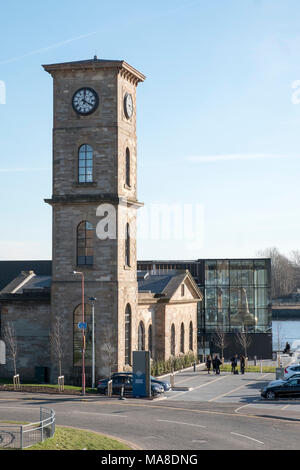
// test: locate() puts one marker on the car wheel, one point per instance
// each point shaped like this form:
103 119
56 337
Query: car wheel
270 395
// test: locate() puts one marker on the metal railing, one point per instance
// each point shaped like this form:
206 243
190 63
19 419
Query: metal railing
22 436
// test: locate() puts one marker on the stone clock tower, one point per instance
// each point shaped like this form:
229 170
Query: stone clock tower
94 202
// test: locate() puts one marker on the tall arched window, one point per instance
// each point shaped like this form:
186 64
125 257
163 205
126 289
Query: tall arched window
150 339
173 340
127 169
141 337
127 245
78 335
85 242
128 335
191 341
85 164
182 338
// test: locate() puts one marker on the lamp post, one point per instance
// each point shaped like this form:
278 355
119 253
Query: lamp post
83 333
93 300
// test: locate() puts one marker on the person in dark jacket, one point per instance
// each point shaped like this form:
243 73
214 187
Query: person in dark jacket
242 364
208 363
217 364
234 362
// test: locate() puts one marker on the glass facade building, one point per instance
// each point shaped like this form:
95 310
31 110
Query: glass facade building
236 298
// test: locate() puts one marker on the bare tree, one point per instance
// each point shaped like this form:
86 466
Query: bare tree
108 338
283 272
57 342
219 340
10 338
244 339
278 334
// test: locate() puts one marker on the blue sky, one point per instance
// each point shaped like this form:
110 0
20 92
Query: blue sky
217 125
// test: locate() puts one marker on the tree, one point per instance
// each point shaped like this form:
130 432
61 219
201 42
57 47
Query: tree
108 336
244 339
283 272
57 342
219 340
10 338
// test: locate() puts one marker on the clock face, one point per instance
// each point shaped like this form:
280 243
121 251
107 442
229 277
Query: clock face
128 105
85 101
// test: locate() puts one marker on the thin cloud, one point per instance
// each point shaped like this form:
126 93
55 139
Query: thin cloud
44 49
231 157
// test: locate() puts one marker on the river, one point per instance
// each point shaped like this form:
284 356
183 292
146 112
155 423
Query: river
283 331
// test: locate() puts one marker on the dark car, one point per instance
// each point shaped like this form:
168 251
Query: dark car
164 383
124 379
282 389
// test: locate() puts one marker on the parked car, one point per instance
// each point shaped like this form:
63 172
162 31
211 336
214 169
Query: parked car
291 370
120 379
164 383
282 389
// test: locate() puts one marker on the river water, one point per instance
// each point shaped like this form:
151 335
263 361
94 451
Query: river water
284 331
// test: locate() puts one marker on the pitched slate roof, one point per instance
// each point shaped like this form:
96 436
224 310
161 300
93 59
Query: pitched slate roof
164 285
10 270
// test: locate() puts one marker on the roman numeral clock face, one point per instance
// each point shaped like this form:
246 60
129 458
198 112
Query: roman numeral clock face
85 101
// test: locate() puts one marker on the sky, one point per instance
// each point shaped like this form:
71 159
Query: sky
218 119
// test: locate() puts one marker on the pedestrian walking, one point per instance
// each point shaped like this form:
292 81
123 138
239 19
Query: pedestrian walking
217 364
208 363
234 362
242 364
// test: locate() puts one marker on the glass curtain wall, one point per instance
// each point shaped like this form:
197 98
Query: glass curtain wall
237 295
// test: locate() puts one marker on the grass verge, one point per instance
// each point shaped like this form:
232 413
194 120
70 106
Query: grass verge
75 439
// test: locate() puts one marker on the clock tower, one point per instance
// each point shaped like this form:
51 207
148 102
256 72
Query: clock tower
94 203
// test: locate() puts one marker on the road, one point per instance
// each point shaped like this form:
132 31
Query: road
219 412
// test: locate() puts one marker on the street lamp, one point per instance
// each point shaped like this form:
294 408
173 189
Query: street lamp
83 334
93 300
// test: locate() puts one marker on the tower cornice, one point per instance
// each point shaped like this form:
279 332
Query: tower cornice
121 66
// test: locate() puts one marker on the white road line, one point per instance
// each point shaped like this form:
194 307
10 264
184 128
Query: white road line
246 437
100 414
244 406
238 388
180 422
200 386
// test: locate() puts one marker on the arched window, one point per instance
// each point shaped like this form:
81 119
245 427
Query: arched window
191 336
85 242
128 335
127 245
85 164
141 337
173 340
78 335
150 344
127 169
182 338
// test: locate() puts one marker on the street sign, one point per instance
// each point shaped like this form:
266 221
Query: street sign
2 353
141 374
82 325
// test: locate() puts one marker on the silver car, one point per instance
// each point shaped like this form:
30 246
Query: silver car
291 370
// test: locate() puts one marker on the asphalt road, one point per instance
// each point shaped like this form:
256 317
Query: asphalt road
220 412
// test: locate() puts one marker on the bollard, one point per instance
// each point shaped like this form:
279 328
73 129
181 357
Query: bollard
261 367
255 358
194 366
172 377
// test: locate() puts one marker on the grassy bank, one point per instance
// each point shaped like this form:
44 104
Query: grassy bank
74 439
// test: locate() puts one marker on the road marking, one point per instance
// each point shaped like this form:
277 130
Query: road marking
180 422
285 407
246 437
232 391
200 386
111 415
244 406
